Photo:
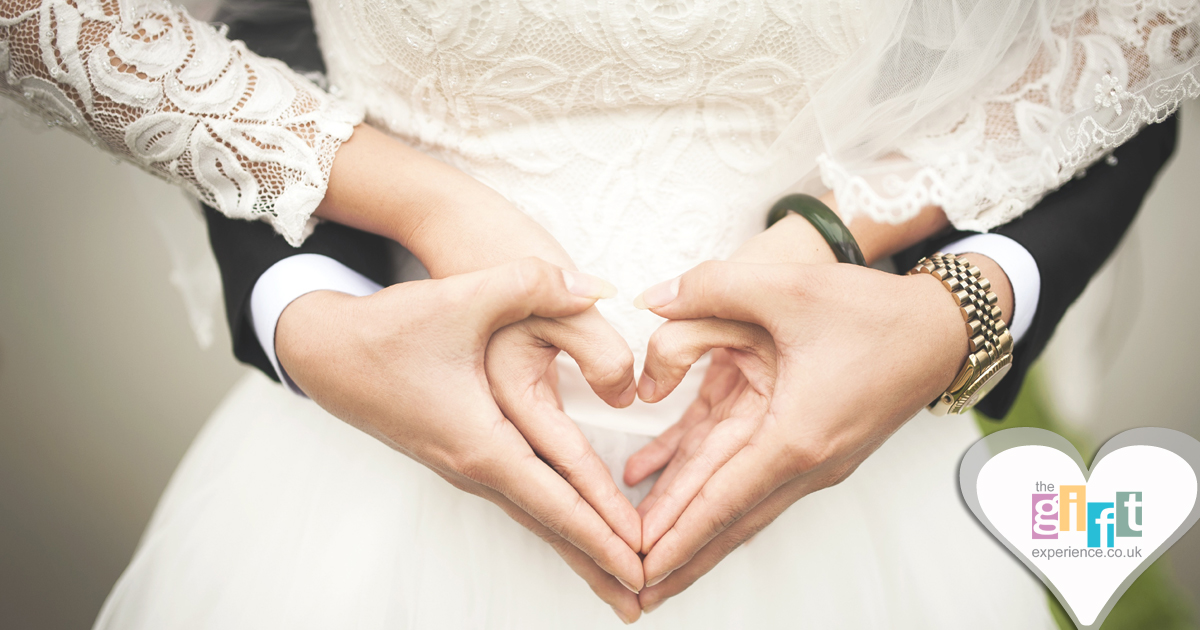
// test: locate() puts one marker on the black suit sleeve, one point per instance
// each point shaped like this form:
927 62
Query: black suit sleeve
1070 234
282 29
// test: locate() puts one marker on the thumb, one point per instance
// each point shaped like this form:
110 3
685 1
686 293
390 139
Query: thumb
740 291
496 297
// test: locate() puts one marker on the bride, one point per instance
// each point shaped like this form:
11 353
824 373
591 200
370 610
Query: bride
524 150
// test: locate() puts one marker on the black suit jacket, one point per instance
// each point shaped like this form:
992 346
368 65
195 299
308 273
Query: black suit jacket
1070 233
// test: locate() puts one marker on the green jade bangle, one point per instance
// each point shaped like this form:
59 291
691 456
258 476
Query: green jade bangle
831 228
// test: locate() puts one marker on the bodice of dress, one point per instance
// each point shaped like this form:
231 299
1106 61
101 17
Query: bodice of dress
636 132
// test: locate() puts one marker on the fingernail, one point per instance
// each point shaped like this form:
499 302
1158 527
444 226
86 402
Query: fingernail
588 286
658 295
627 585
658 579
652 607
646 387
628 395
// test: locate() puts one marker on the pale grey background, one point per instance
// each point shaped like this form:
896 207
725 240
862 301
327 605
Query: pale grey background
103 385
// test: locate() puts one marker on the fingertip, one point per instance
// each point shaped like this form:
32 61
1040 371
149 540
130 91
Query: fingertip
635 471
588 286
658 296
646 388
627 616
626 398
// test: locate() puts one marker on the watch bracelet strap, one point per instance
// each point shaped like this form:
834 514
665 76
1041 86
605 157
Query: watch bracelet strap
989 338
827 223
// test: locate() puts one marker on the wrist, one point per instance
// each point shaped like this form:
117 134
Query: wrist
308 328
880 240
959 300
791 240
943 330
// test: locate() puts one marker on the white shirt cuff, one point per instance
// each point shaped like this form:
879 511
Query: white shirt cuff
289 279
1020 267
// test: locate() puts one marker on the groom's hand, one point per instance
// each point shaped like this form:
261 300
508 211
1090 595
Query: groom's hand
407 365
853 354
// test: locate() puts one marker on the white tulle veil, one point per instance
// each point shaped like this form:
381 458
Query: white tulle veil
983 106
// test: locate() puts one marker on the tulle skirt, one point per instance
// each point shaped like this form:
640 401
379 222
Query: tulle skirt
282 516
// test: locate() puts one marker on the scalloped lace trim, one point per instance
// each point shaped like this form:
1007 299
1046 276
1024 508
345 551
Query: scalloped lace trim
977 190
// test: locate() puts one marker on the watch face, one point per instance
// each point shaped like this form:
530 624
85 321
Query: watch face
988 382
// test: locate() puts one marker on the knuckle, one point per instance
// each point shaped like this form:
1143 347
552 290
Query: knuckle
559 521
475 464
572 466
840 474
526 276
802 457
707 279
723 514
669 341
612 368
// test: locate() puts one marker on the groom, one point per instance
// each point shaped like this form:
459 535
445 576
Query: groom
1048 255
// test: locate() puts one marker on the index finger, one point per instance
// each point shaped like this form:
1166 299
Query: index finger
745 480
517 473
715 551
602 583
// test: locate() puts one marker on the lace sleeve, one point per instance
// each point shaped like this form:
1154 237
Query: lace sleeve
145 81
984 106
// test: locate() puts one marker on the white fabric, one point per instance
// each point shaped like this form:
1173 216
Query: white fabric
983 106
146 82
979 106
289 279
281 516
1018 264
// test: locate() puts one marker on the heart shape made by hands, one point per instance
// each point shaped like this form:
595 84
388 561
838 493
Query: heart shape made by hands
1087 534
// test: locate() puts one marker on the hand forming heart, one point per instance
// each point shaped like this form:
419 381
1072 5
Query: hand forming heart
385 362
824 356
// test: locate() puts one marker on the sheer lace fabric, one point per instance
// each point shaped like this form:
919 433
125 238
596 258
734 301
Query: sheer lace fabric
148 83
981 106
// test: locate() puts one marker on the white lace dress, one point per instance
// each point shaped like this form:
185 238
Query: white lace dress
647 136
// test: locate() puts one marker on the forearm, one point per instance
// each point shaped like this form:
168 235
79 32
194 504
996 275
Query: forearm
450 221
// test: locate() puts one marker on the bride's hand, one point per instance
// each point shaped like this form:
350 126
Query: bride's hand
835 357
407 365
524 380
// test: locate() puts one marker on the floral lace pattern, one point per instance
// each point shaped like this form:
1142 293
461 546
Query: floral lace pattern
635 131
145 81
650 135
1103 71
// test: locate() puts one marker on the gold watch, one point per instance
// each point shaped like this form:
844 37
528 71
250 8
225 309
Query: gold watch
990 345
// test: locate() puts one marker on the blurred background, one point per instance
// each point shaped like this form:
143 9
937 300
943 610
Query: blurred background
103 381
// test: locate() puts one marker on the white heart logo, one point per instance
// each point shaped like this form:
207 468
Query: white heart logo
1087 535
